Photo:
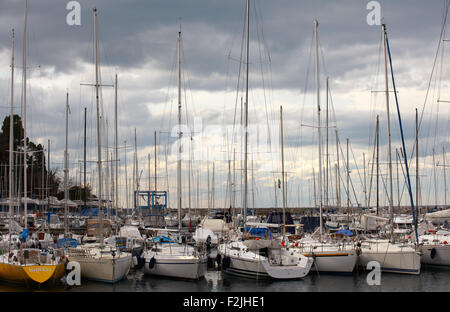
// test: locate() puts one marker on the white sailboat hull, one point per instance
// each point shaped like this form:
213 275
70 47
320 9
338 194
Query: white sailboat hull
249 264
339 262
392 259
183 267
106 268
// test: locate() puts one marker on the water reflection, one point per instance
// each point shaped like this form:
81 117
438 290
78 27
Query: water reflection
430 279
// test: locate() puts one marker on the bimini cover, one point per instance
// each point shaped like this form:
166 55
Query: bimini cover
263 233
162 239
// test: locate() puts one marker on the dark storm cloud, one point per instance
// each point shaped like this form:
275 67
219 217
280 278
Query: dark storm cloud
133 32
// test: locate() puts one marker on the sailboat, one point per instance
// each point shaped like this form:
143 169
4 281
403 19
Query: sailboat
259 258
393 257
99 262
328 256
26 265
265 258
166 257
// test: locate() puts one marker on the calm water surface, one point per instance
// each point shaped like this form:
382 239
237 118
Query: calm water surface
431 279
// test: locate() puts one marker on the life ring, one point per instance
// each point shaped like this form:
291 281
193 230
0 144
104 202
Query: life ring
433 253
151 263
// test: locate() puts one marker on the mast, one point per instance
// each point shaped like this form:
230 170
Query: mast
99 138
84 159
445 178
48 173
24 88
212 187
179 134
246 113
365 181
316 25
338 180
116 140
11 140
282 170
378 163
136 170
348 189
417 165
126 177
391 208
435 182
326 152
66 168
156 189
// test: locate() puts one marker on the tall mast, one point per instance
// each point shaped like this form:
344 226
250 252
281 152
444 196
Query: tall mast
246 113
179 133
136 169
348 189
116 140
156 181
99 138
24 88
417 165
391 208
11 137
445 177
338 180
66 167
48 173
326 152
435 182
126 178
378 163
282 170
316 25
84 159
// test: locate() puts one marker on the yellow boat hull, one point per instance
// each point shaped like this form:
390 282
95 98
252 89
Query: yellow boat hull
31 274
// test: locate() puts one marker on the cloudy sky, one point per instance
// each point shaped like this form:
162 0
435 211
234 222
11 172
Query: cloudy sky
138 41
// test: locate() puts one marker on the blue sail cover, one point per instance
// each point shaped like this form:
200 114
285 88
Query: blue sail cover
346 232
67 242
24 234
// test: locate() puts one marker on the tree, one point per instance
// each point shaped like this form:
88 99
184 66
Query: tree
36 162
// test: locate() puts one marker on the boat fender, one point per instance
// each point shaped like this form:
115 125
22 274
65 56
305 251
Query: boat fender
218 259
135 261
226 262
433 253
151 263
